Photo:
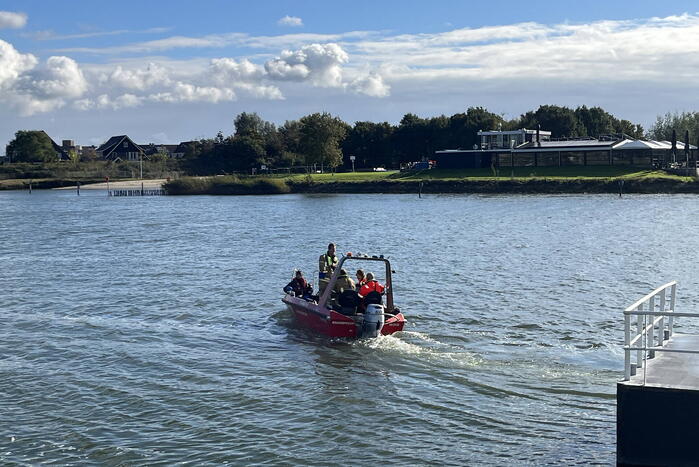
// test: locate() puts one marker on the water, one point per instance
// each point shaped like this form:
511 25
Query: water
150 330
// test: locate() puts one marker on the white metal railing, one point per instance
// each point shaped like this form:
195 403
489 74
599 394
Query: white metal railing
652 328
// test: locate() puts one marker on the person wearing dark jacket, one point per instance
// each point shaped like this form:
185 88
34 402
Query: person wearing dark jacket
298 285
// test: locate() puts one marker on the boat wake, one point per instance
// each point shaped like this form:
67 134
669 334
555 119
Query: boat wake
421 347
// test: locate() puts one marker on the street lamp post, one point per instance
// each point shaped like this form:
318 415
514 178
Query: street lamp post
352 159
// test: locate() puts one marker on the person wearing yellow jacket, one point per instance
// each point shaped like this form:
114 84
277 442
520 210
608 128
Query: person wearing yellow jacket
326 266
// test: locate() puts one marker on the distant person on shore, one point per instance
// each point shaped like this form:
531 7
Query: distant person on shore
326 265
298 285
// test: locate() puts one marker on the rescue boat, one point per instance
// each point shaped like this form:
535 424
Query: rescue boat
343 315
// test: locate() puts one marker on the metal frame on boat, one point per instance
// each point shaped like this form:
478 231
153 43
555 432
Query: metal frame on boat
321 317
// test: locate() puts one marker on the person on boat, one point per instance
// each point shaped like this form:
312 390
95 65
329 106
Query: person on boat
361 280
371 285
344 282
298 285
326 266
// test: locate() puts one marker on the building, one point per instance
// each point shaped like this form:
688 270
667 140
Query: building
526 148
509 139
120 148
183 148
164 149
61 153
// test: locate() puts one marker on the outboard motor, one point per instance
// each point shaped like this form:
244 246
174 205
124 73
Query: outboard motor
373 320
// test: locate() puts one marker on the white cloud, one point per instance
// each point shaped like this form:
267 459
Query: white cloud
13 64
46 88
138 79
184 92
292 21
602 54
371 85
104 101
12 20
49 35
320 63
60 77
228 70
261 91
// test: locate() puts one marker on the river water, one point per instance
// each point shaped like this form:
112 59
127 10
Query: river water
151 331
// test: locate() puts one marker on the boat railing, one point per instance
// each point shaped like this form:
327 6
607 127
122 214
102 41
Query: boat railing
654 325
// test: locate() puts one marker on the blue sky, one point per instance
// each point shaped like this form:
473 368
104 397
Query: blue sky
171 71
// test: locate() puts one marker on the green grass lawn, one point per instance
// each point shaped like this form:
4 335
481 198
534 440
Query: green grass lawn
573 172
345 176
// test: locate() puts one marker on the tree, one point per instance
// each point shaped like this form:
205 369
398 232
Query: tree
250 124
290 134
560 121
411 138
464 127
370 143
595 120
31 146
681 122
628 128
321 135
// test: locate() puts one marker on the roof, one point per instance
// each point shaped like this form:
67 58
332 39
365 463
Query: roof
114 140
649 144
62 154
113 143
578 145
182 147
581 144
512 132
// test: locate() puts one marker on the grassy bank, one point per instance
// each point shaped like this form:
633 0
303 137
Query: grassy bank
227 185
89 170
521 180
44 183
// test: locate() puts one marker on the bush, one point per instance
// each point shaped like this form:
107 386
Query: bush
227 185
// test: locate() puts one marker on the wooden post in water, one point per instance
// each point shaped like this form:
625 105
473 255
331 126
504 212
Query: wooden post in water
419 193
141 188
77 188
30 187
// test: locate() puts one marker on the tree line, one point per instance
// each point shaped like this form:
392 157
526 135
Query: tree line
326 142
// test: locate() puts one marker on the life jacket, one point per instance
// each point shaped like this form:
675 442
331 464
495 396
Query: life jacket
326 265
371 286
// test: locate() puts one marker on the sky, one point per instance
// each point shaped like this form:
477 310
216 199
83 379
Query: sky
171 71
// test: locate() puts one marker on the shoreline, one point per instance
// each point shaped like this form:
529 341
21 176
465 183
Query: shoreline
268 186
71 184
507 186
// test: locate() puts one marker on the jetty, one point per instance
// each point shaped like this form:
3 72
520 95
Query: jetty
658 399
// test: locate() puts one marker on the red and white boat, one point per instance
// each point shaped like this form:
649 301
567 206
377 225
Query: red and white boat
344 316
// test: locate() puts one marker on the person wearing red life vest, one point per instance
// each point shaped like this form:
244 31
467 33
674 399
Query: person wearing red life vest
371 285
361 279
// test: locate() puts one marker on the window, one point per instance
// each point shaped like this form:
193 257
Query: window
126 144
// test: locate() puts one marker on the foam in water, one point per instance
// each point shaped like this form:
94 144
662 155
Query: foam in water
394 344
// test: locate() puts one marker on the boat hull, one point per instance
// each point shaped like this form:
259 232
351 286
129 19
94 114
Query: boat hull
330 323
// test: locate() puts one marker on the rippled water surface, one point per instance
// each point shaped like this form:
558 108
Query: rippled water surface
150 330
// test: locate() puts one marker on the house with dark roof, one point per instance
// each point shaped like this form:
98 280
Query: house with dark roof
183 148
164 149
61 153
120 148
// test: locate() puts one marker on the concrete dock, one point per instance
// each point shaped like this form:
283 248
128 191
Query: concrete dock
658 409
